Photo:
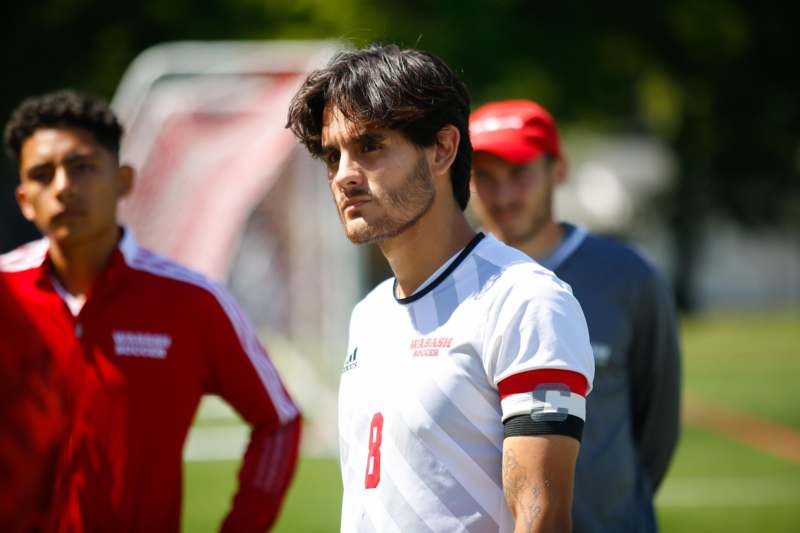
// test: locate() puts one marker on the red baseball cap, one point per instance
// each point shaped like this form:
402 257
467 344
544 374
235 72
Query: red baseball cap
516 130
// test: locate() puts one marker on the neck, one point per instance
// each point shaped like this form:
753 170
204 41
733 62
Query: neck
77 265
544 242
418 252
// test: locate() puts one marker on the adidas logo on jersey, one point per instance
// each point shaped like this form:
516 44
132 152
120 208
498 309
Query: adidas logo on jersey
350 363
137 344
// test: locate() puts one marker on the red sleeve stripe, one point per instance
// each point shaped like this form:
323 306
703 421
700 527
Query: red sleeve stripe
160 266
527 381
278 457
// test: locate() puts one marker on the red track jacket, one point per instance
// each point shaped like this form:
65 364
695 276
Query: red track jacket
151 339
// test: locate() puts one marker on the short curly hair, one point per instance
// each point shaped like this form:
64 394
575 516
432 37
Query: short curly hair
64 108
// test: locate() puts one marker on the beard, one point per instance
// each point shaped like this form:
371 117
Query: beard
534 218
533 226
403 206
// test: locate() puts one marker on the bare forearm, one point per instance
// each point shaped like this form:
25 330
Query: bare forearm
540 500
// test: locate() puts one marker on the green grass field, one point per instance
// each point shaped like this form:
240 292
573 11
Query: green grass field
750 363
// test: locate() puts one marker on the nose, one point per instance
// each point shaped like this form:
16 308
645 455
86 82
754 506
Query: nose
348 173
504 194
62 184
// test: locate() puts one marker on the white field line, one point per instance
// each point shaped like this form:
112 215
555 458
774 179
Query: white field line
221 434
728 492
228 442
216 443
211 442
214 408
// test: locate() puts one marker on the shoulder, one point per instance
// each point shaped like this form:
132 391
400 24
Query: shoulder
491 250
26 257
158 268
514 269
614 255
515 278
622 270
173 281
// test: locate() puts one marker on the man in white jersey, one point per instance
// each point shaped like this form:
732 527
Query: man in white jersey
462 397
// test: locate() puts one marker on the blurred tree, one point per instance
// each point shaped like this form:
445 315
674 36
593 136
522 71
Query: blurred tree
713 78
88 44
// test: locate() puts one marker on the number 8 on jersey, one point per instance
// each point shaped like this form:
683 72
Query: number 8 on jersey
373 475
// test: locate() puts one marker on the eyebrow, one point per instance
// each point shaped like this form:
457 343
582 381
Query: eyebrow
38 166
77 156
369 137
361 139
71 158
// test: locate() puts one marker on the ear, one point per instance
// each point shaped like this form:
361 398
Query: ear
445 150
22 200
125 176
559 169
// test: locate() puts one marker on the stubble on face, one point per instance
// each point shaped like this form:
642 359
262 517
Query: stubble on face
403 206
518 219
531 219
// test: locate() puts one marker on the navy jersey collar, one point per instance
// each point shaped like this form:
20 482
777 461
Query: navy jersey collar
441 277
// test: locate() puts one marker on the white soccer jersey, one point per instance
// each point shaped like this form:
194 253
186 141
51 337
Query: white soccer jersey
491 339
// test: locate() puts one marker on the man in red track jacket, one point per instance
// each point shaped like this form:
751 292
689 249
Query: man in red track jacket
139 337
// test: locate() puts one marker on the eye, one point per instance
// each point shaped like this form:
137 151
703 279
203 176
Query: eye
331 158
40 176
82 167
370 146
521 176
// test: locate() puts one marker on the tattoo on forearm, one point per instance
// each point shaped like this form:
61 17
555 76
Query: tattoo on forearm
515 480
514 475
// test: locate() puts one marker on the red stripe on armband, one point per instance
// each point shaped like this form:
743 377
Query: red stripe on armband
527 381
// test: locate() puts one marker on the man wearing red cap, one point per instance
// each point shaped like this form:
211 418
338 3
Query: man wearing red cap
630 437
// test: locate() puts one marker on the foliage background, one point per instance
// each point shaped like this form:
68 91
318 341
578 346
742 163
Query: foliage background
714 79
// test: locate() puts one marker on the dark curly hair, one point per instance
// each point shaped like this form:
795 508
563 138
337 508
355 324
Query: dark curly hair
65 108
384 86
